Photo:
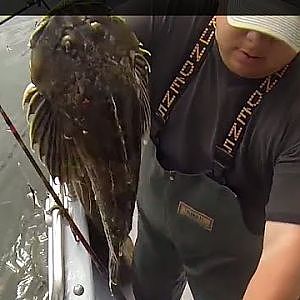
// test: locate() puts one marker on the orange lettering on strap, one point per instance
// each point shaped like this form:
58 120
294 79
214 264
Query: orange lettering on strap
188 69
168 100
176 84
162 110
183 72
281 72
228 144
199 53
267 85
242 114
231 142
205 39
235 131
180 79
255 99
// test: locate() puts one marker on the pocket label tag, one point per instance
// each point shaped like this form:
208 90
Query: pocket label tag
202 219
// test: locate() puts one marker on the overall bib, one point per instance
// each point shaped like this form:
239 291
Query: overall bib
191 227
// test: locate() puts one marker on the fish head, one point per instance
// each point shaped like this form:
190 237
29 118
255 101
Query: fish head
62 46
76 58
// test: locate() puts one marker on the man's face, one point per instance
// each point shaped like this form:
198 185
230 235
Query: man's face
251 54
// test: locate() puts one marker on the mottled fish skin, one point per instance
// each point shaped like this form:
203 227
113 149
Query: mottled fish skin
88 109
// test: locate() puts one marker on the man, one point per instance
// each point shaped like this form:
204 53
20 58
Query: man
219 194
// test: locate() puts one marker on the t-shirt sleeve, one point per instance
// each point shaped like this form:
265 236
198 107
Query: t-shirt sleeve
284 201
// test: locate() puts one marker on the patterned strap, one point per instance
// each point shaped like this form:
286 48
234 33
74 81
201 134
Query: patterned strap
186 73
226 152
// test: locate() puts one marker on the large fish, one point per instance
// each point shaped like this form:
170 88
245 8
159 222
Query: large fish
88 109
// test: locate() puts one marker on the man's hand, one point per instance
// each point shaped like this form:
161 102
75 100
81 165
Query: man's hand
278 274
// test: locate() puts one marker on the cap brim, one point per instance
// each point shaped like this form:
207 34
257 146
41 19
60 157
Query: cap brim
284 28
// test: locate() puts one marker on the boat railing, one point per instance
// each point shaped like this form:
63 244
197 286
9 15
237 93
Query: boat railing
70 268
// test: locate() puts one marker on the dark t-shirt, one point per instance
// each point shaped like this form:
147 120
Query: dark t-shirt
266 172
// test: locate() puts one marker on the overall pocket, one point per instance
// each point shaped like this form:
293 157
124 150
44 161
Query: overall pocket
206 217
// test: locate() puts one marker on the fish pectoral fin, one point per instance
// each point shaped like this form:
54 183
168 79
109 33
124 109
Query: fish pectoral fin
127 252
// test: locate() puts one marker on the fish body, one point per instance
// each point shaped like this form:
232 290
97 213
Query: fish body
88 109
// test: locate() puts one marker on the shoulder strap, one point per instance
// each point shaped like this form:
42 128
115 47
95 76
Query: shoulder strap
187 72
226 151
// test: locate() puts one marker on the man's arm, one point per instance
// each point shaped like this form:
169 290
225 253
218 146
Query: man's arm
278 273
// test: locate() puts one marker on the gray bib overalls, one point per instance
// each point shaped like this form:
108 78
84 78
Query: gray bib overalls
190 227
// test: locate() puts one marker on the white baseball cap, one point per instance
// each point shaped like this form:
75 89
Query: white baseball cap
277 18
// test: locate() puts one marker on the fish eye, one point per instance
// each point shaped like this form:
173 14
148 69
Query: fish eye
96 26
66 43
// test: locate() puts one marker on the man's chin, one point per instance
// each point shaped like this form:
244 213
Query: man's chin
247 71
